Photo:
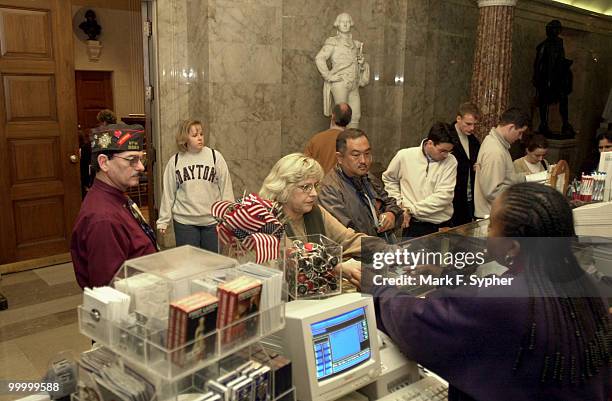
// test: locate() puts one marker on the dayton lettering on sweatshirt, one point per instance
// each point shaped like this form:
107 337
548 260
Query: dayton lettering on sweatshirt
195 172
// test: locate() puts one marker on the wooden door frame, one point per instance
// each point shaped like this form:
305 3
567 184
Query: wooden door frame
148 47
62 67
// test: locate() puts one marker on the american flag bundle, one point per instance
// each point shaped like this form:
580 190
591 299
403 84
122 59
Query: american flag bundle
250 222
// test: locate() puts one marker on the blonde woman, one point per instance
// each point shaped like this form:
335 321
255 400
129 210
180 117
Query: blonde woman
194 178
293 182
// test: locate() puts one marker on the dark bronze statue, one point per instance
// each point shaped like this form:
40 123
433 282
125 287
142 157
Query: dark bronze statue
552 78
90 25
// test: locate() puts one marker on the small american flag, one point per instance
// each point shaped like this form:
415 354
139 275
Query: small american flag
252 221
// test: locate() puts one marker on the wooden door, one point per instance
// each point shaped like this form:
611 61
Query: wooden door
94 92
148 48
39 183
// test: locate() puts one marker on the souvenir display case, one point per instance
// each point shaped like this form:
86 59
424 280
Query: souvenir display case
155 341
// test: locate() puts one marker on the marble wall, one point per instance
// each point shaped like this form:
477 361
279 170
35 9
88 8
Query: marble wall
440 42
306 26
245 87
220 62
182 88
176 78
413 47
246 68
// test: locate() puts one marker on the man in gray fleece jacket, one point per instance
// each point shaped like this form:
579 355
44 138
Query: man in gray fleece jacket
353 195
494 169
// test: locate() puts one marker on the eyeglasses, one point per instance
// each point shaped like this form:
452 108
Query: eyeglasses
307 188
133 160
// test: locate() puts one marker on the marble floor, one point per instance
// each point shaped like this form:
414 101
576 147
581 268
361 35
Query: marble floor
41 321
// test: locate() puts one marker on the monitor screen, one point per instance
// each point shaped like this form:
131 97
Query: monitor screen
340 343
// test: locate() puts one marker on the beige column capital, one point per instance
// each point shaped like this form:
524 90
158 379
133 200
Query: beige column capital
489 3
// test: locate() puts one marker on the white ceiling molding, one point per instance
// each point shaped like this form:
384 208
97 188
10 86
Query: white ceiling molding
597 6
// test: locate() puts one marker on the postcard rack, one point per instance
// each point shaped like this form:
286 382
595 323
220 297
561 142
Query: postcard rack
140 341
145 345
188 388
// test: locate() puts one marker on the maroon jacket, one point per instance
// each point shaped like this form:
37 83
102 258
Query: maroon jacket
105 235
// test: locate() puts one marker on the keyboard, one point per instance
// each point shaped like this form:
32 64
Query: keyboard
426 389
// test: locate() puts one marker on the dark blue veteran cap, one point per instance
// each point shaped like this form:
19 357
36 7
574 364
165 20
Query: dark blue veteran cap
117 138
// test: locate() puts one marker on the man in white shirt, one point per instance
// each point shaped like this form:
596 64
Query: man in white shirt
495 171
466 152
423 180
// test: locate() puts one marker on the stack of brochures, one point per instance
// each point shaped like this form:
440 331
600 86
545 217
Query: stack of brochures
102 305
594 219
102 374
108 302
149 294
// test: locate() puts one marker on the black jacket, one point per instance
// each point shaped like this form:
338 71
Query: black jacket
463 210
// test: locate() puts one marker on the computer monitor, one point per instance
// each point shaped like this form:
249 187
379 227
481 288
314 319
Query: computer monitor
333 345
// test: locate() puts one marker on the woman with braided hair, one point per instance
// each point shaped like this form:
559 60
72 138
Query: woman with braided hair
547 336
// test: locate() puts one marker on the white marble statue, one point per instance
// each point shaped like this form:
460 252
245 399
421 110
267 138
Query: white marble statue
349 69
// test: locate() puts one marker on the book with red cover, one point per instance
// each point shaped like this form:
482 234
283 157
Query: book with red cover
196 317
244 301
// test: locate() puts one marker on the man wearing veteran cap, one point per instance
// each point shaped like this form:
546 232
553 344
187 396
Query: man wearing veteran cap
109 228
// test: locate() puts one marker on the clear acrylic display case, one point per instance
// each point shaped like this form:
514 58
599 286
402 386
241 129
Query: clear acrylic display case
153 282
144 344
312 267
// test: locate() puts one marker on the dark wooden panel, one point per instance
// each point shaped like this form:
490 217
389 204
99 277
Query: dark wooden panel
39 220
90 116
30 98
94 92
45 153
91 93
37 102
25 33
17 66
32 129
36 190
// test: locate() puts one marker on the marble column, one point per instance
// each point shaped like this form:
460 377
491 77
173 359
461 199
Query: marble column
490 88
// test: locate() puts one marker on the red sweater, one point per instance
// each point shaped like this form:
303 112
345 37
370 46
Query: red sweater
105 235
